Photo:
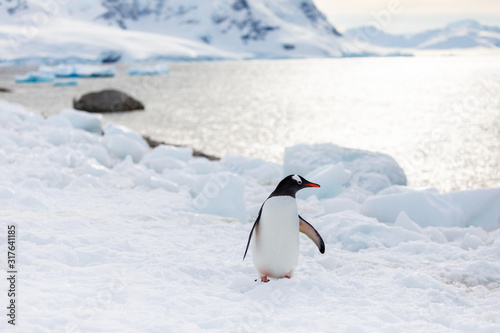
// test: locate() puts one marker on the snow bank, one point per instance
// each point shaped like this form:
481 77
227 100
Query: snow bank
159 69
114 236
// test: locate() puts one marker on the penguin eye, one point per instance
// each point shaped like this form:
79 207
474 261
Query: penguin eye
299 182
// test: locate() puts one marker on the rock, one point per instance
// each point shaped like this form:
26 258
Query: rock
197 153
107 101
5 90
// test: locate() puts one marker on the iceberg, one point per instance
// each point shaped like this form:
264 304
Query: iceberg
159 69
35 77
78 71
65 83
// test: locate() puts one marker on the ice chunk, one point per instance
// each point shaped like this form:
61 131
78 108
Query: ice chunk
471 242
35 77
426 208
404 221
204 166
371 181
355 232
65 83
92 168
58 121
371 171
100 154
179 153
58 137
83 120
222 194
155 182
429 208
122 146
158 69
481 207
167 157
111 129
263 171
335 205
330 177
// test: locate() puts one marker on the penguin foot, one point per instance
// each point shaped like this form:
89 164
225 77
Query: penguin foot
264 279
287 276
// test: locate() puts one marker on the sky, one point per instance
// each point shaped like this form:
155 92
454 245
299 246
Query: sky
407 16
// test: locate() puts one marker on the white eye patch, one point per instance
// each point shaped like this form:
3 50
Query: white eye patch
297 179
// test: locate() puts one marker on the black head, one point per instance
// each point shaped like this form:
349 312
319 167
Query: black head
292 184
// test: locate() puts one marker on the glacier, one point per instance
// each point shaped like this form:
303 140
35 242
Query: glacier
53 32
114 235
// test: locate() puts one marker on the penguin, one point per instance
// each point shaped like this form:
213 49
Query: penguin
275 246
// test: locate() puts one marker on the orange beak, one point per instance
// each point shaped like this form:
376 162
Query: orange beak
312 185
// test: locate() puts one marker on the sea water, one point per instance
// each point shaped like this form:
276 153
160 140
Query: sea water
439 117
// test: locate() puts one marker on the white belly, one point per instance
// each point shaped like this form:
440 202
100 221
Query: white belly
275 248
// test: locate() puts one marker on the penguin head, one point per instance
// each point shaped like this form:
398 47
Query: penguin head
291 184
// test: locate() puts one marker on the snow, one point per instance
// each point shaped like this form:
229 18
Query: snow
116 236
66 40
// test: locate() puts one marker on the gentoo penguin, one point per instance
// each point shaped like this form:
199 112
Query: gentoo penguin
275 246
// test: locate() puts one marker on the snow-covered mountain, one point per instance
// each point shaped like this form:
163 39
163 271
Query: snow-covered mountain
459 35
215 29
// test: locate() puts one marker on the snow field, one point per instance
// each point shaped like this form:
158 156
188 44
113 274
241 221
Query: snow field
116 237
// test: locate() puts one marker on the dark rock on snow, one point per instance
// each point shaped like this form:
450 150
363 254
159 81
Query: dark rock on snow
107 101
5 90
154 143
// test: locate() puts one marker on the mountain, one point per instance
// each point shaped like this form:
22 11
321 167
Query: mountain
164 29
458 35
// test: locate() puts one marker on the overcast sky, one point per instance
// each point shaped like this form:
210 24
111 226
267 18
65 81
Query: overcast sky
408 15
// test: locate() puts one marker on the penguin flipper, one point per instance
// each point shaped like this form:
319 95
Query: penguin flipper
306 228
256 224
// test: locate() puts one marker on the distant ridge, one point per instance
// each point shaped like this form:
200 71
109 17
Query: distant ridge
465 34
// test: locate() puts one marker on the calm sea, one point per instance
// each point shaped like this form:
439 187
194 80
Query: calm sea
439 117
